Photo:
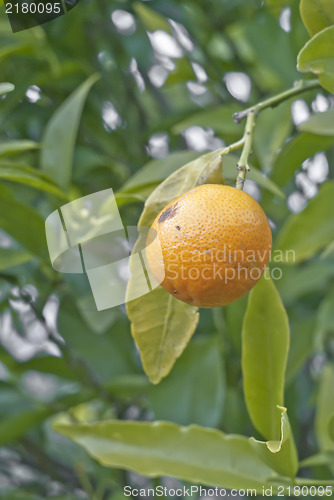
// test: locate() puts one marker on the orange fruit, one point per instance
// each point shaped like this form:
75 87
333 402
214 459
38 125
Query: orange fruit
212 245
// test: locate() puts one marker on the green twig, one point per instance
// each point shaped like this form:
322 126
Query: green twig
299 87
242 165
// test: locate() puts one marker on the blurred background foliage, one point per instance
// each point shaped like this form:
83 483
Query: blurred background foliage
168 77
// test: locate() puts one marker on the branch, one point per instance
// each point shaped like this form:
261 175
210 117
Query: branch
242 165
300 87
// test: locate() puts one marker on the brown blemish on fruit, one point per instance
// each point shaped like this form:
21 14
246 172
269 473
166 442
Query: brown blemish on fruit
169 213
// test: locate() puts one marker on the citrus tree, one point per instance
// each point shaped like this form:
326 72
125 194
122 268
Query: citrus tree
154 100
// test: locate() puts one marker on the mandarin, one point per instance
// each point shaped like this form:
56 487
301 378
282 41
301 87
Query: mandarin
215 243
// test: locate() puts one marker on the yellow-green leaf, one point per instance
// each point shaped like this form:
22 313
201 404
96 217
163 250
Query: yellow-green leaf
317 14
317 56
280 455
195 454
162 325
265 346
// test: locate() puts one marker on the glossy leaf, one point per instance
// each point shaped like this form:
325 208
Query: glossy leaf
325 410
319 123
265 346
194 391
60 135
6 87
317 14
304 234
297 150
162 339
195 454
280 454
317 57
15 172
14 147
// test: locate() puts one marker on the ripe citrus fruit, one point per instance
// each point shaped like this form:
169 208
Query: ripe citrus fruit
215 243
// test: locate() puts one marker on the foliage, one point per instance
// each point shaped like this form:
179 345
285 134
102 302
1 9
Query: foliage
243 395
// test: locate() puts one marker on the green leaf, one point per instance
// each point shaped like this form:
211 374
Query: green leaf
301 346
297 150
280 455
194 391
151 19
317 14
302 280
326 458
162 339
60 134
265 346
272 128
319 123
23 223
325 410
12 257
317 56
325 322
219 119
15 172
14 147
155 171
195 454
6 87
304 234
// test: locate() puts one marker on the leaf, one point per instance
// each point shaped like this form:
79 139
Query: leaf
23 223
156 171
304 234
6 87
194 391
301 346
301 280
29 176
162 339
325 410
12 257
265 346
319 123
272 128
280 455
219 119
297 150
325 321
317 14
195 454
317 57
326 458
14 147
60 134
151 19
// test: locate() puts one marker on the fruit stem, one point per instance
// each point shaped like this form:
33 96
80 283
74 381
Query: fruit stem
242 165
298 88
